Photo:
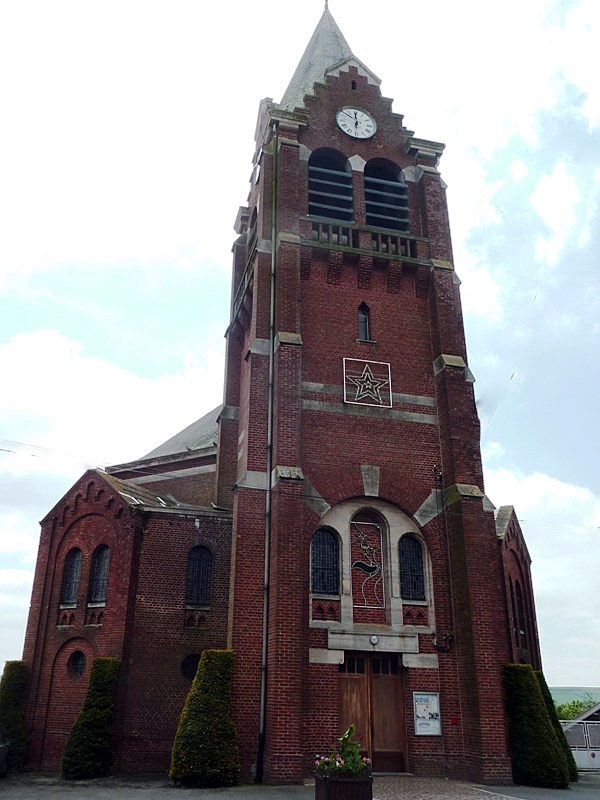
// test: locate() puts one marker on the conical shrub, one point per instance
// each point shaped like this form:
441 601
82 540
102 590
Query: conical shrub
14 687
205 751
558 729
537 757
88 752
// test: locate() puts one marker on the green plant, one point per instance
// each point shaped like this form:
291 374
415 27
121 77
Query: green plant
88 752
558 730
13 727
537 757
205 751
573 708
345 757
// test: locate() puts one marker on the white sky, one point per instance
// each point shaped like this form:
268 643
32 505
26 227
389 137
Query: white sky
125 152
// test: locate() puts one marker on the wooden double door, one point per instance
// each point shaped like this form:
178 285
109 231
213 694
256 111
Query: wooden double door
371 696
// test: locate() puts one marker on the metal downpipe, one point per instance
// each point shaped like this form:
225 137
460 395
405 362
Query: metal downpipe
260 758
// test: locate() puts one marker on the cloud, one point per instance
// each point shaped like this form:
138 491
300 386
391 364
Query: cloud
16 578
66 411
86 410
579 55
556 198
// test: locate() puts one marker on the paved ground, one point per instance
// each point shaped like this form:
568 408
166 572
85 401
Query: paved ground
404 787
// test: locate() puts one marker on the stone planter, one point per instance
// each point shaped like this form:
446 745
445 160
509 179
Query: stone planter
344 787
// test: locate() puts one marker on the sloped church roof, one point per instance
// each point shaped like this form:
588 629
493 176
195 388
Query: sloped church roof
326 49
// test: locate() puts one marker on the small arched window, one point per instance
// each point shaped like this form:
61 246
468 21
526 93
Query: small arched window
364 322
385 195
412 573
325 562
99 575
330 185
70 579
520 621
199 576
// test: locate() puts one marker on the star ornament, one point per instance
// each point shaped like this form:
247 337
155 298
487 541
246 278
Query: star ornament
367 383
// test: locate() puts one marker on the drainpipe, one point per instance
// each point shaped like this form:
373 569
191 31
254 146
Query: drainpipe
260 758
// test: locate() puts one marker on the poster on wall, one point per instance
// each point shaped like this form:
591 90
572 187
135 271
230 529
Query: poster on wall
426 707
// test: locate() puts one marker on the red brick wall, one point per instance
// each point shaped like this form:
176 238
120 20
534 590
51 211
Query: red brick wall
145 621
90 515
153 688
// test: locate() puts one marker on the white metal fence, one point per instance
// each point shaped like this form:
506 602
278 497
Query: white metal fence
584 741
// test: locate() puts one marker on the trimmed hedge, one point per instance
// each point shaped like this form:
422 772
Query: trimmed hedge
14 688
205 751
88 752
537 757
558 729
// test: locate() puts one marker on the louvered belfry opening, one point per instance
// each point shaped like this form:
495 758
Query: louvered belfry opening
386 196
330 185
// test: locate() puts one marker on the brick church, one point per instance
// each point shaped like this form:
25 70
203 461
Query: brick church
328 522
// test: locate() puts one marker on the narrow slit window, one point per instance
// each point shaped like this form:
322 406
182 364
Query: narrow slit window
199 576
364 322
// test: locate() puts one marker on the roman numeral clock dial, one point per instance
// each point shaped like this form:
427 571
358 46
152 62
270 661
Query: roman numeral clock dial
356 123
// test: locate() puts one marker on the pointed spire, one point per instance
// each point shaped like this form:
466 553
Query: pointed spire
327 46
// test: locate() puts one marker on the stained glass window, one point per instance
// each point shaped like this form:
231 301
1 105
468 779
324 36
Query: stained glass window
325 567
71 575
199 576
412 576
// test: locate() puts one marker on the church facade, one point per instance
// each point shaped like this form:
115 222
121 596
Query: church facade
329 521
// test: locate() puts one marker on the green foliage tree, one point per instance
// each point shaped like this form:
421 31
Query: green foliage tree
560 734
205 751
537 757
573 708
14 687
88 752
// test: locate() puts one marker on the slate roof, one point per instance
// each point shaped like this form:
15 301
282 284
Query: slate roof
135 495
327 46
200 434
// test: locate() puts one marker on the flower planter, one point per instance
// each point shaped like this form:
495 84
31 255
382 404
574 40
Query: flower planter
344 787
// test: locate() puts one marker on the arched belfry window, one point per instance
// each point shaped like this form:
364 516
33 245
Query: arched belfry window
70 578
412 571
364 322
199 576
385 195
99 575
325 562
330 185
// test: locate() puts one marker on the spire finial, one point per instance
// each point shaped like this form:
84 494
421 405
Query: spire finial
326 5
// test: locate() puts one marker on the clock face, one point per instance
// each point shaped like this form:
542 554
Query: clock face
356 123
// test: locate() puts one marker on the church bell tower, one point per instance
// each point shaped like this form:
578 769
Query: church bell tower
366 581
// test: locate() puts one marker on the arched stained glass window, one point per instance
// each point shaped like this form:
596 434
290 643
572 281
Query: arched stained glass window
199 576
99 575
325 562
70 578
412 574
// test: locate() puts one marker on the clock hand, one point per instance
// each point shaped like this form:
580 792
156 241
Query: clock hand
347 114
